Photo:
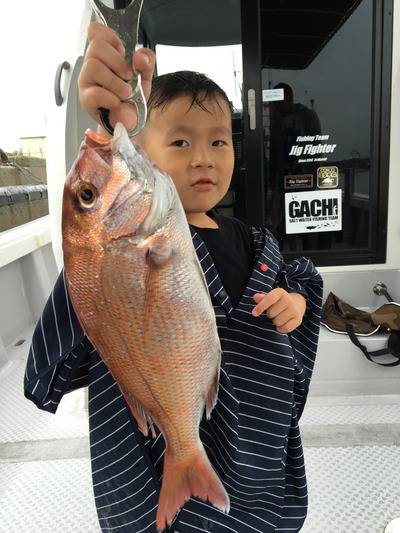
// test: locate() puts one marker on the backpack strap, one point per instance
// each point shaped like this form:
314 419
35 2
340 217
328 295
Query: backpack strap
376 353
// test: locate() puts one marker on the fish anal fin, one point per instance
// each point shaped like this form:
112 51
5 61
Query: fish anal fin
212 395
143 419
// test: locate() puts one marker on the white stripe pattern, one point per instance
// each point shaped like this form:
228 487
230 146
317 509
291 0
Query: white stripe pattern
252 438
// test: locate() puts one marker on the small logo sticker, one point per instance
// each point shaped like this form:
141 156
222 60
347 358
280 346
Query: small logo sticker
299 181
327 177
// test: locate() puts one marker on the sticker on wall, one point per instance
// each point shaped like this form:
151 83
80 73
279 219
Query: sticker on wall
313 211
272 95
327 177
299 181
311 148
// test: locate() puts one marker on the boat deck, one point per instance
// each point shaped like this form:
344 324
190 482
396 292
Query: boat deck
352 451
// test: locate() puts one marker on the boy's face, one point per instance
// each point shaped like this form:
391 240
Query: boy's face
194 147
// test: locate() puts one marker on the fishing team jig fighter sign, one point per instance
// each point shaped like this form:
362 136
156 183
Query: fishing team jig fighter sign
313 211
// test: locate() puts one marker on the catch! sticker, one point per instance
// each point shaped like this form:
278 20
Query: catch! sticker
313 211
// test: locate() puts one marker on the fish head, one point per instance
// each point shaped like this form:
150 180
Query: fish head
111 193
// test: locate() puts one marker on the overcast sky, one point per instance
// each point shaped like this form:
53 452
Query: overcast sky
36 36
33 40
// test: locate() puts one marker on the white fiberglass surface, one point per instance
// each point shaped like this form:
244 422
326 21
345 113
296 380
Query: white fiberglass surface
45 465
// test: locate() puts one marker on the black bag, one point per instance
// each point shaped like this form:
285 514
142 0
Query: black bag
340 317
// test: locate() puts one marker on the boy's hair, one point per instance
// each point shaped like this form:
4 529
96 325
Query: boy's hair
199 87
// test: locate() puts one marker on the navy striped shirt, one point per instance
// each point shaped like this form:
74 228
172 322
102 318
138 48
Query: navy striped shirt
252 439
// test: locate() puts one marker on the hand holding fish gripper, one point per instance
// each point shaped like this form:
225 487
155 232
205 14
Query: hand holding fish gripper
125 23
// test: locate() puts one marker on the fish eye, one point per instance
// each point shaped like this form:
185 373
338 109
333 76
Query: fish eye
87 195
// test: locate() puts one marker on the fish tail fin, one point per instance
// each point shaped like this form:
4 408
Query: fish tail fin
191 477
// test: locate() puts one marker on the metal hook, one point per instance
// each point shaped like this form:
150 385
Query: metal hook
125 23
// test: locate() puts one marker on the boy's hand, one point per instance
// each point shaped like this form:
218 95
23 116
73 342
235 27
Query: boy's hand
101 80
286 310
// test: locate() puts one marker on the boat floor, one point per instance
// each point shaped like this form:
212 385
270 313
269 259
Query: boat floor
351 447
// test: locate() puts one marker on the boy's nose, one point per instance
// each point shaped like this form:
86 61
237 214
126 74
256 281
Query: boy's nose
202 158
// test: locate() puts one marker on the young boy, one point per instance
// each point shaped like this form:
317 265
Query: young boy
267 313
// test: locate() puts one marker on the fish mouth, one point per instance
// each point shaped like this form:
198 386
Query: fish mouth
129 151
152 189
120 141
95 140
132 205
123 148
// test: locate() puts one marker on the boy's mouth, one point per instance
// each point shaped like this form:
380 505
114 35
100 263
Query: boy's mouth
203 184
204 180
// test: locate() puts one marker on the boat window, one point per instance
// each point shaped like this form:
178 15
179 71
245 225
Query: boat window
321 134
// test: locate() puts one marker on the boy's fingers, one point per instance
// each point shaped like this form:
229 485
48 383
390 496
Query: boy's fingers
259 308
283 318
105 77
97 30
96 73
102 97
266 301
144 61
289 326
104 52
277 308
125 114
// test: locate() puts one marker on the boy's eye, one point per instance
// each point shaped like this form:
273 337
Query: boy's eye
181 143
218 143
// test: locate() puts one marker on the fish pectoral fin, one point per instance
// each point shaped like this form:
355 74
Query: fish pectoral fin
143 419
212 395
159 253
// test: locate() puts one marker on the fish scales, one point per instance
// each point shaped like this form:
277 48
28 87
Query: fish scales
141 297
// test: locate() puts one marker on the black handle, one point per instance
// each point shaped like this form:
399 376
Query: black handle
376 353
387 295
105 120
57 90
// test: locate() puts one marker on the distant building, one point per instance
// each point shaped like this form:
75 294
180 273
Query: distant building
33 146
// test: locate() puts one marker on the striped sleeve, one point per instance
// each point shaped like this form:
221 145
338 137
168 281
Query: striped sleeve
58 359
302 277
